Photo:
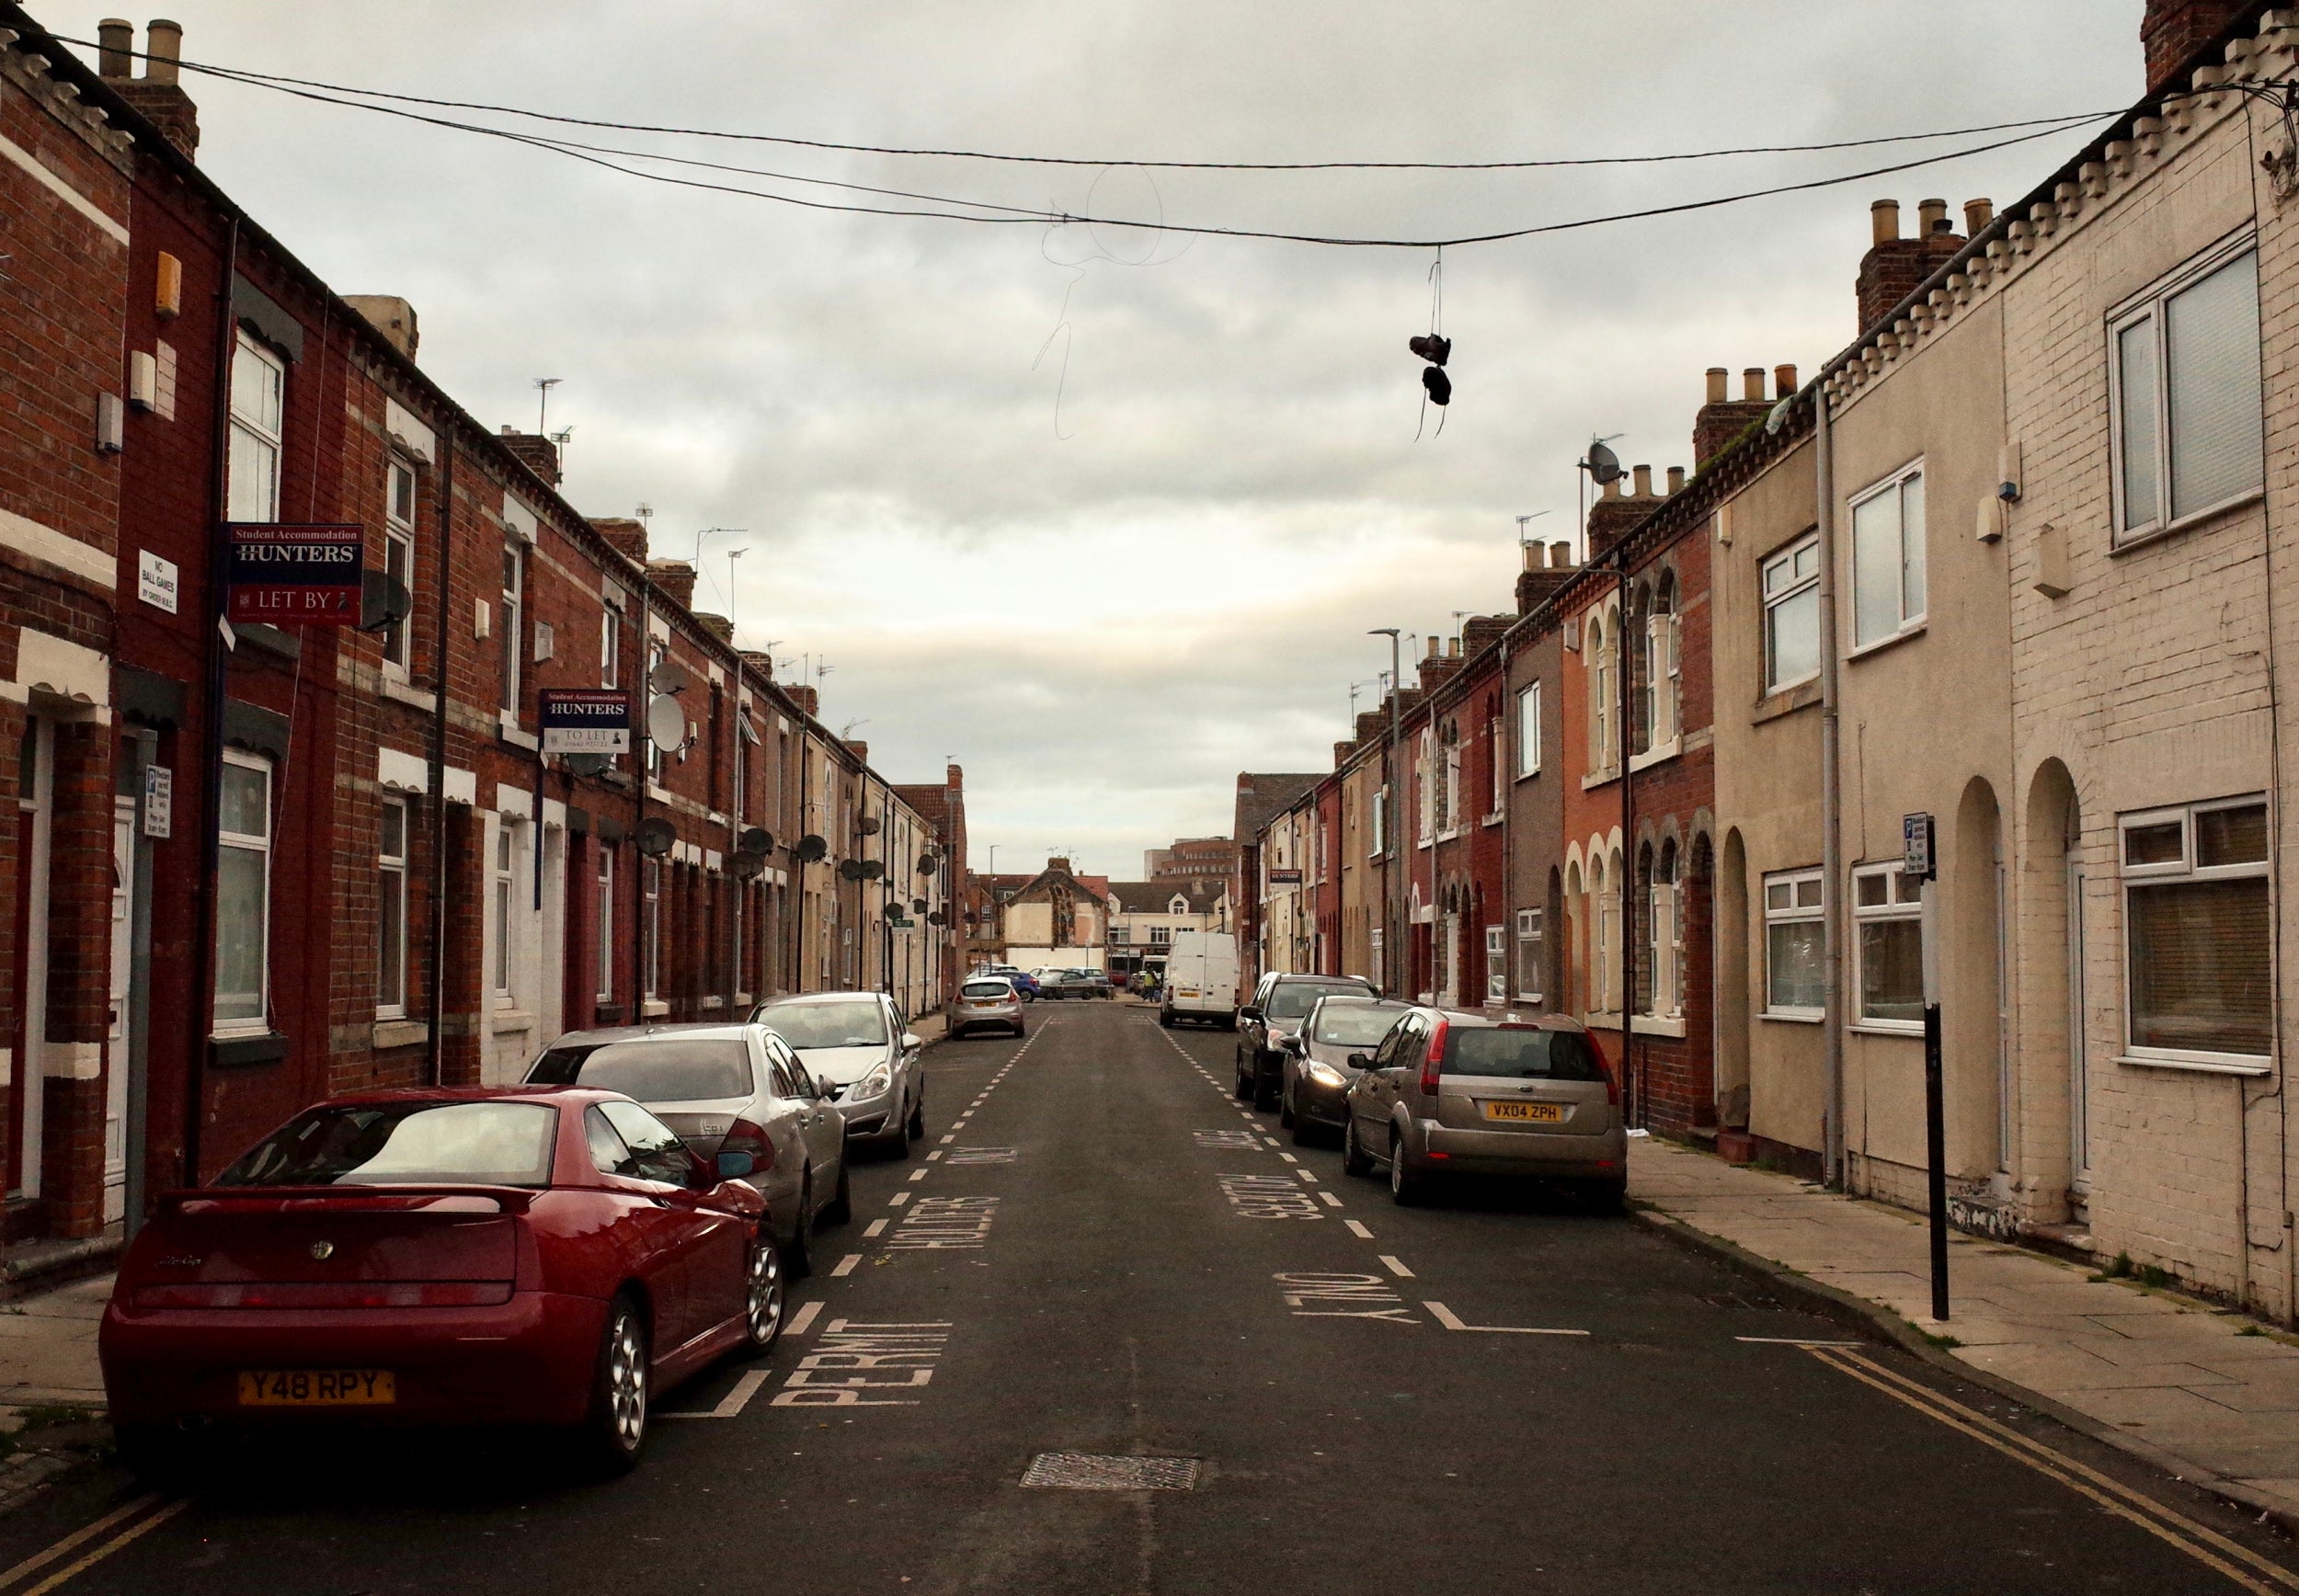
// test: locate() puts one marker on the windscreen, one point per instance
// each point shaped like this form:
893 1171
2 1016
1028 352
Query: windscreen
418 1144
1293 1000
853 1022
654 1069
1353 1024
987 989
1526 1054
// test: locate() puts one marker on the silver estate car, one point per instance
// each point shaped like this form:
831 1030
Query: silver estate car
1312 1098
737 1096
984 1001
857 1043
1452 1093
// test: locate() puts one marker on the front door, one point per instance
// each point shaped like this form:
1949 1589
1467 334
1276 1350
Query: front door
35 793
116 1034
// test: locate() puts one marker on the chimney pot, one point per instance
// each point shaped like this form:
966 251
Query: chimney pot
1452 648
1612 488
1884 219
164 43
1560 557
115 45
1752 384
1977 215
1783 382
1675 480
1531 552
1643 481
1718 378
1929 214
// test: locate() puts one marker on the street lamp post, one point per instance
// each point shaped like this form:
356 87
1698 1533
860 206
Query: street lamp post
1394 955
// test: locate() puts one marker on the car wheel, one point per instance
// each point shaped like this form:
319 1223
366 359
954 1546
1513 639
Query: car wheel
1245 1088
1405 1187
840 1208
1019 1031
1265 1093
1285 1106
915 1126
1606 1196
1354 1160
1305 1131
617 1431
764 1299
1165 1018
798 1252
155 1454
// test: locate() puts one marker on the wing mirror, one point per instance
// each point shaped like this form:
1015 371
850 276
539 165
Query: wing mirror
1250 1012
1360 1061
735 1166
1296 1046
910 1044
823 1088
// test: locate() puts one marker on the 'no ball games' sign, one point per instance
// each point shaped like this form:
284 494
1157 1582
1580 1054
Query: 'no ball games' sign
585 719
294 576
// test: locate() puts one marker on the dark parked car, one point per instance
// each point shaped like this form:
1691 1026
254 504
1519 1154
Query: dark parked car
1023 982
1060 983
1280 1004
1313 1100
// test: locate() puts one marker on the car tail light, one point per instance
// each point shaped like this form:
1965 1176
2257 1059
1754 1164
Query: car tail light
1604 1068
1432 1062
351 1294
746 1136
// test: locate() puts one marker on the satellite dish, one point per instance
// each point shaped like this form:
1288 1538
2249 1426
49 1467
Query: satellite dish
939 918
867 826
812 849
666 723
743 866
928 865
917 906
850 869
656 835
385 600
667 677
1602 465
586 764
756 839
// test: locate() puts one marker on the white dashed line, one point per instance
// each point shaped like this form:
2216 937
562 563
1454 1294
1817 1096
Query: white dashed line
1329 1199
846 1265
1358 1230
803 1321
1397 1268
1794 1341
933 1155
1306 1175
917 1174
898 1199
877 1227
1289 1157
1451 1321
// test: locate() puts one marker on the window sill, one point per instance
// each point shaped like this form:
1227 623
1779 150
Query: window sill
1661 755
505 1020
1491 820
2195 521
2204 1062
1793 1016
390 1033
1914 629
1529 775
653 1009
1667 1025
1598 777
1597 1020
1914 1028
1786 700
415 698
241 1047
506 728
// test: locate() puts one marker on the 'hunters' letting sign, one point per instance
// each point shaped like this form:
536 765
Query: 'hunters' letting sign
585 719
291 575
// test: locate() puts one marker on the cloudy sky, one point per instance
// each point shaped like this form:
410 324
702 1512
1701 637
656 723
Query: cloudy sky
1103 513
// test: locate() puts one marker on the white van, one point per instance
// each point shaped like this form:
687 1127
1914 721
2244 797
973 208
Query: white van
1200 979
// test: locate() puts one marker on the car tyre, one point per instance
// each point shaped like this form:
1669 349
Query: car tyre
1354 1158
615 1434
799 1251
156 1453
840 1208
1243 1090
766 1299
1305 1130
1165 1018
1265 1093
1606 1196
914 1128
1405 1187
1020 1031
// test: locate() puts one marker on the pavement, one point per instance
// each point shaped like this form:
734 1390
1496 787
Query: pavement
1107 1330
2208 1393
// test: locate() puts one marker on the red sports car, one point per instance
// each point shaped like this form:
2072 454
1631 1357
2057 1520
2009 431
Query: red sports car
525 1256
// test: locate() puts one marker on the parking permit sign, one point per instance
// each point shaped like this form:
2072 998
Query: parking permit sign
294 576
585 719
1917 862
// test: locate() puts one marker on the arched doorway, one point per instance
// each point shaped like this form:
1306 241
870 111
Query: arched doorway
1733 1000
2057 1150
1982 1098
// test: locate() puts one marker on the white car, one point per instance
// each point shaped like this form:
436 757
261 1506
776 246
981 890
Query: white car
857 1043
984 1001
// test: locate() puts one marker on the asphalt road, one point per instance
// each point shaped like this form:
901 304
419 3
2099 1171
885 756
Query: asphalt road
1108 1257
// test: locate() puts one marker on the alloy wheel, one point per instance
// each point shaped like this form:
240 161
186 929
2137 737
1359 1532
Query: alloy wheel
626 1380
763 1301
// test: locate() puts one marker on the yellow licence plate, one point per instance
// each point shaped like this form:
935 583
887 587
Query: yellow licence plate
1538 1113
317 1388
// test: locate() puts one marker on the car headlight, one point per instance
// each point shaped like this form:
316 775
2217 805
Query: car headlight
1324 1074
876 1083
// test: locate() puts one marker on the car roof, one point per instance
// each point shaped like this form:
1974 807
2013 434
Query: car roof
551 1095
1524 1021
818 998
1348 1000
708 1028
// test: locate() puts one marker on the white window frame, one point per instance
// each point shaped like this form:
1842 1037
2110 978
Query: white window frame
1497 747
1497 965
1528 734
259 1022
1450 819
1664 947
1423 767
1910 609
1605 955
253 430
514 633
399 560
605 929
1792 589
2185 869
1602 708
1903 901
391 876
504 922
650 890
610 645
2152 305
1664 709
1794 912
1532 977
1381 822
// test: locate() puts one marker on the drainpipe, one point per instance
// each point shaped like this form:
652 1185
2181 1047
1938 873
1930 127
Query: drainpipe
211 711
1625 878
1831 800
435 1056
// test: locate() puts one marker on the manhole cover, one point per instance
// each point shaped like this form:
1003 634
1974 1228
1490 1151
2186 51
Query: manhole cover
1085 1471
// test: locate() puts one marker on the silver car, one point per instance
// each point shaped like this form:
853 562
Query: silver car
857 1043
1453 1093
984 1001
1313 1096
737 1096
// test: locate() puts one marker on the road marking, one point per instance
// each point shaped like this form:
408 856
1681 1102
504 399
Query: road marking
1397 1268
78 1537
1793 1341
898 1199
803 1321
837 1372
846 1265
2163 1522
1358 1230
877 1227
1289 1157
731 1405
1232 1140
1368 1296
88 1560
950 1138
944 1224
1328 1199
1268 1197
1306 1175
983 1156
1451 1321
917 1174
933 1155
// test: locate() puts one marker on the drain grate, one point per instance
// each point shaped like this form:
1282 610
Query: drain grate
1086 1471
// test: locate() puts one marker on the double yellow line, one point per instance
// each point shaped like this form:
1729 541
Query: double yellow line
2206 1546
124 1524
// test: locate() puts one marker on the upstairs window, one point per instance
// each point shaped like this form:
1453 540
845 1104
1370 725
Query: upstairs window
1529 730
514 634
1888 558
399 554
1792 615
2187 433
259 417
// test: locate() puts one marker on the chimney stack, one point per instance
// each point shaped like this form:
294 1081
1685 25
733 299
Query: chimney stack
2173 31
1894 266
1721 419
1752 385
1538 580
1720 381
391 317
1883 221
627 536
676 579
157 96
759 661
1931 216
536 452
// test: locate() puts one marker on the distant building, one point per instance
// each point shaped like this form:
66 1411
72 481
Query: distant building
1144 916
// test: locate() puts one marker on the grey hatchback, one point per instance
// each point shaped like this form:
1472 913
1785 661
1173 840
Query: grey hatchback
1453 1093
1314 1094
